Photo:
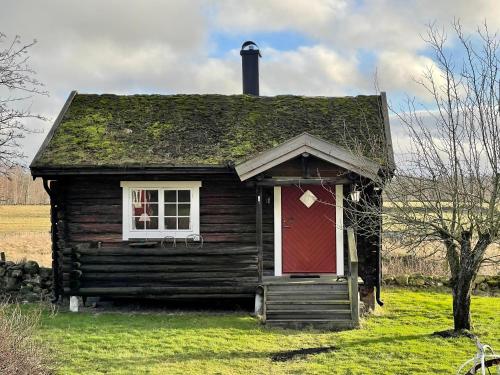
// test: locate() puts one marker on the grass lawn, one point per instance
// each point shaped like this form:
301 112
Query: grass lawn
394 341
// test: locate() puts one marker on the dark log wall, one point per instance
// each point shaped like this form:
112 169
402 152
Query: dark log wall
90 210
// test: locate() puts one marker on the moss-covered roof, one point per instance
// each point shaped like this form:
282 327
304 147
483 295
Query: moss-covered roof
204 130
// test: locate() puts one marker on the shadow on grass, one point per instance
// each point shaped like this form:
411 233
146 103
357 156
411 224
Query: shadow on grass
235 355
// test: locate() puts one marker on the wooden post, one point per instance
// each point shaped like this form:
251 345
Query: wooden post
2 256
259 236
353 276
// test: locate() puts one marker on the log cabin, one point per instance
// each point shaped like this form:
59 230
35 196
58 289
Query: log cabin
219 196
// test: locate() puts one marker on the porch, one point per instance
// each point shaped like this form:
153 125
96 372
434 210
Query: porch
324 302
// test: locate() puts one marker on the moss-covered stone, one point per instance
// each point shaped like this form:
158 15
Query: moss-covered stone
181 130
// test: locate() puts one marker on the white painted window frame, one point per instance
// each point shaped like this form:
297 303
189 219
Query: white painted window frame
127 187
339 228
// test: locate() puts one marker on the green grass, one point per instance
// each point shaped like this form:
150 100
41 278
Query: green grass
397 340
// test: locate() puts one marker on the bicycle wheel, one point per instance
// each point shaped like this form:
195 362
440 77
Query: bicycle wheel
492 367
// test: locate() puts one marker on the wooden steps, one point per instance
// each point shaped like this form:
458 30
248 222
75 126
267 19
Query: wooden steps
308 303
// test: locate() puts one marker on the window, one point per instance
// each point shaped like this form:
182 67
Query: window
155 209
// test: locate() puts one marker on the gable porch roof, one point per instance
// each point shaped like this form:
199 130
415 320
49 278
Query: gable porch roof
306 143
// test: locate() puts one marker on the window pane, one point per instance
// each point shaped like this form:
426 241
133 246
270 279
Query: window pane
170 195
151 209
152 224
183 223
184 210
184 195
170 210
170 223
150 196
136 224
137 209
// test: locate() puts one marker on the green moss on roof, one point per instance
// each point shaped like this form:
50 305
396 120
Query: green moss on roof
182 130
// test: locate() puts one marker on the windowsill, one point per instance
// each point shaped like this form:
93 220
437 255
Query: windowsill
149 235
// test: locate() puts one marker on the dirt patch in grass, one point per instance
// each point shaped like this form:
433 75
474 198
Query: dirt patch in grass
300 353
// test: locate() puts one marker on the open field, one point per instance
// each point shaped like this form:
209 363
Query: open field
24 218
397 340
24 233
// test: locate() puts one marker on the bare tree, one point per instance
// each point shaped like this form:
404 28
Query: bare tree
17 85
447 186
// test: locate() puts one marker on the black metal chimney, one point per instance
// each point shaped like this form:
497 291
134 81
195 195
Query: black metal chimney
250 66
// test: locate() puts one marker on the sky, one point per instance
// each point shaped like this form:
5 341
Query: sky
308 47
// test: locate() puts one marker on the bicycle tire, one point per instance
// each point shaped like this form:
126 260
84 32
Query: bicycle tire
488 364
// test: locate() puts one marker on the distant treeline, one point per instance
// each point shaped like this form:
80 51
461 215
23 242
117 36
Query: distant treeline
18 187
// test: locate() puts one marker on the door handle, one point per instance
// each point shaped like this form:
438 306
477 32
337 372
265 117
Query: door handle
285 222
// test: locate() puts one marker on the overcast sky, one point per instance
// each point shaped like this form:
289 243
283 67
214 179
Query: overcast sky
309 47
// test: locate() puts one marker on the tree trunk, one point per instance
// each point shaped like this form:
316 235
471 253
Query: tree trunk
461 305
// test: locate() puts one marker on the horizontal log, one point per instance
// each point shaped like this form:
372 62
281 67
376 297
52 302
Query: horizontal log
141 259
78 201
115 209
225 200
208 249
144 291
233 228
111 238
95 228
230 219
227 209
187 278
113 268
93 219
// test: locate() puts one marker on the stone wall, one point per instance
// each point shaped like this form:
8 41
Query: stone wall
482 284
25 281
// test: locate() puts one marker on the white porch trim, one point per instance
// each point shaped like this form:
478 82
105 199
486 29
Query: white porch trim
339 228
277 231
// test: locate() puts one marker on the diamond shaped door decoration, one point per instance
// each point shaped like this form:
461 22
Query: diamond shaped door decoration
308 198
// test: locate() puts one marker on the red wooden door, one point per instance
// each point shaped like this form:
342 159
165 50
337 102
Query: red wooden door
308 242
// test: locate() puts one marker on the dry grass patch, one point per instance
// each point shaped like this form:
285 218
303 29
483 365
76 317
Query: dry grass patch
20 352
24 233
28 245
29 218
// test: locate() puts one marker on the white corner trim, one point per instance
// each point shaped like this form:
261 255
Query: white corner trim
339 225
277 231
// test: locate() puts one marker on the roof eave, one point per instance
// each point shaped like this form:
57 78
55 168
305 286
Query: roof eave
53 129
129 170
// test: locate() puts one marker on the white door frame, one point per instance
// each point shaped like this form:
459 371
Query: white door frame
339 228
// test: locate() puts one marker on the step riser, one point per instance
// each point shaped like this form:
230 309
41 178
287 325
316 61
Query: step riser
307 316
307 297
331 326
309 307
307 288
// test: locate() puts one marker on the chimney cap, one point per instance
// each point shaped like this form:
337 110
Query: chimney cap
250 48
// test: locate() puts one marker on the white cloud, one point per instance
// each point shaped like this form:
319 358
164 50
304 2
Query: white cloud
314 70
401 71
311 17
126 46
